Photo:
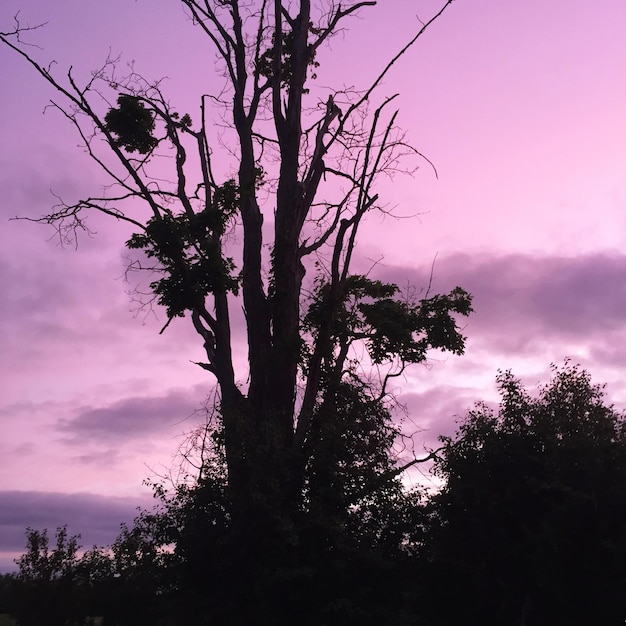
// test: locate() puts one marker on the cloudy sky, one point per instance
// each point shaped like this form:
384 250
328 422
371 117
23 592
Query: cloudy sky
520 105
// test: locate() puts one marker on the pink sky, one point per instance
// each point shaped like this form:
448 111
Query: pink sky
520 105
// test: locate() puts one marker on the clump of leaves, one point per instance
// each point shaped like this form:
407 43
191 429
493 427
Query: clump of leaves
132 124
532 508
188 250
185 120
265 65
40 562
371 310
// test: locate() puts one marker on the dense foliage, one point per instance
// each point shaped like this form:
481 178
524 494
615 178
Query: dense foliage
527 528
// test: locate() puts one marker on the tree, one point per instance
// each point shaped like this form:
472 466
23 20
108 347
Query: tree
528 528
351 561
308 160
46 589
127 583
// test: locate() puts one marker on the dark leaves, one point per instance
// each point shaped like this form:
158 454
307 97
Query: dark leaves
532 507
132 124
188 249
372 311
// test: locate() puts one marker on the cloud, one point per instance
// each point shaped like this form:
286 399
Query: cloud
99 460
522 302
436 411
54 299
131 418
96 518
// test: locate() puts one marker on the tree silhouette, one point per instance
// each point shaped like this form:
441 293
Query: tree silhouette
528 527
302 437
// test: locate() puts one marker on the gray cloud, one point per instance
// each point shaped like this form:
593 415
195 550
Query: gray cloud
131 418
57 298
100 460
435 412
522 301
96 518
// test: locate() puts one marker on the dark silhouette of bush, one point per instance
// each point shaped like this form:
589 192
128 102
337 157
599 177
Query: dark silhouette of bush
529 527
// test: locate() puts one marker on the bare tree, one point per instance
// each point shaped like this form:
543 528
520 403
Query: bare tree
307 163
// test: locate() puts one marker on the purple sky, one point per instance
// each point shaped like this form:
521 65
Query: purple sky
520 105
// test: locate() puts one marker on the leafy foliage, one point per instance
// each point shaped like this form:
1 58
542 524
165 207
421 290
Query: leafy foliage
527 528
532 508
132 124
41 563
371 311
46 589
189 253
265 64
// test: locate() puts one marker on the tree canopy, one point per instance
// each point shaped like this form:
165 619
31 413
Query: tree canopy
528 527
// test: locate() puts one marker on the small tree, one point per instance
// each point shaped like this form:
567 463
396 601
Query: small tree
309 161
528 528
41 563
47 589
129 583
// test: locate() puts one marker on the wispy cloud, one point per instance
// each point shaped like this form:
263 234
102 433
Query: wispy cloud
524 301
131 418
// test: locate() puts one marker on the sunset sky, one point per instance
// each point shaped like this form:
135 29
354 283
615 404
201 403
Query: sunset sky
521 106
